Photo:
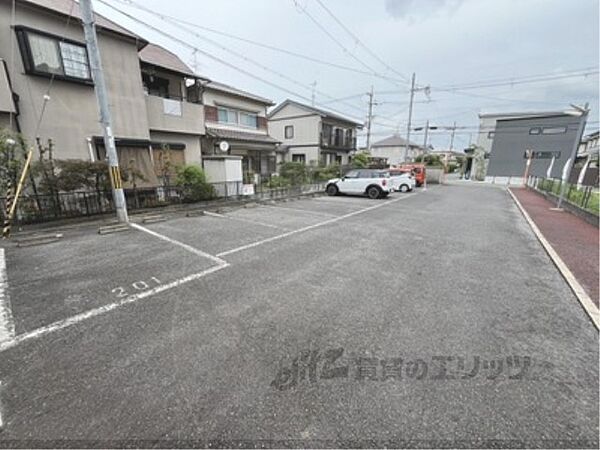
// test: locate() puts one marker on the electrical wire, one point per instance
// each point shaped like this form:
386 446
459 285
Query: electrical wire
360 43
46 97
268 46
219 60
304 11
243 57
516 81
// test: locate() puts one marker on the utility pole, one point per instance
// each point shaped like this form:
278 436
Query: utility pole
452 136
91 40
571 161
312 97
369 119
410 108
426 136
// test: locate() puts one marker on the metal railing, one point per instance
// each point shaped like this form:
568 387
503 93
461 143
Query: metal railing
585 197
65 205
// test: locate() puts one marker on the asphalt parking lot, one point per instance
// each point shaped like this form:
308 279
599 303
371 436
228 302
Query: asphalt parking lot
422 319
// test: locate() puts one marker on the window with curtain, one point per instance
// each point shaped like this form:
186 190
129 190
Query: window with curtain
75 60
45 54
236 117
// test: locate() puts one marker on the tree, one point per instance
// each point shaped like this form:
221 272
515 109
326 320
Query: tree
12 147
195 187
360 160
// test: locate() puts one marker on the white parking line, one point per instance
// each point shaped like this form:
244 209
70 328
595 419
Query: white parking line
238 219
341 200
316 213
310 227
61 324
7 325
189 248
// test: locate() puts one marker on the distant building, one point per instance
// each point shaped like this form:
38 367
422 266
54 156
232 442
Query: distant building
589 145
549 136
239 119
449 156
311 135
485 138
393 148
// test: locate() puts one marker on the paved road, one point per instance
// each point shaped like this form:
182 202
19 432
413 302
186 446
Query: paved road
428 319
575 240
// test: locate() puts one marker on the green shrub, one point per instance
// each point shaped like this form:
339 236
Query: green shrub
192 180
294 172
276 182
324 173
360 160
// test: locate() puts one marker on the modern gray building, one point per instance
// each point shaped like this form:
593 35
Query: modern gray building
550 136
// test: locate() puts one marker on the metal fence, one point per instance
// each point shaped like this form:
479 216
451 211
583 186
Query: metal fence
586 197
45 208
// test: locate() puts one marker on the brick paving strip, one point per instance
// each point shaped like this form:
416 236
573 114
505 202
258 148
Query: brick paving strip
572 239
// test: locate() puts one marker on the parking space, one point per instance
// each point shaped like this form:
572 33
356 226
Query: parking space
333 206
316 297
213 234
53 282
286 218
67 278
86 272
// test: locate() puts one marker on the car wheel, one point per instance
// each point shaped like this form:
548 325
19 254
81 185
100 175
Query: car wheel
332 190
404 188
374 192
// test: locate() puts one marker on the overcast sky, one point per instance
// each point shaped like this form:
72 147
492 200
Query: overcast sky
446 42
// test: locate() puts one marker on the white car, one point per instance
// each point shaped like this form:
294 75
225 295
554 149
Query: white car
374 183
403 182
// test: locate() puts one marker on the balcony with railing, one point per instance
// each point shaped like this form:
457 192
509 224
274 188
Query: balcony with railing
337 141
174 115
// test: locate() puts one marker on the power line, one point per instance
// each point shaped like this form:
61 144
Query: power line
268 46
46 97
522 77
219 60
333 38
359 42
518 81
310 87
488 97
245 58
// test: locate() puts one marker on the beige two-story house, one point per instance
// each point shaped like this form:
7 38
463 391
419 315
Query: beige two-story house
236 125
311 135
45 73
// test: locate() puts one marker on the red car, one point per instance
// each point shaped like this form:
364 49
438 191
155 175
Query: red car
417 171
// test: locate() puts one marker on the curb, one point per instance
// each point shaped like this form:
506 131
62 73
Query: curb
584 299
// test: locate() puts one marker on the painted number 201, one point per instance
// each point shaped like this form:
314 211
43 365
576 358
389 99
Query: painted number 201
141 285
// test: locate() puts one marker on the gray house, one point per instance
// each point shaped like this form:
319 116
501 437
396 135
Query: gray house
549 136
312 135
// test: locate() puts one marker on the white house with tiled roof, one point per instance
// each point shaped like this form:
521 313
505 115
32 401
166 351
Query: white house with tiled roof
393 148
312 135
236 125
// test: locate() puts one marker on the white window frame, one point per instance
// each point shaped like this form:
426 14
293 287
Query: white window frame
285 131
236 114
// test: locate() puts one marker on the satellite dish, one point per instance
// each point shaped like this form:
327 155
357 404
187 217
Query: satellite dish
224 146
